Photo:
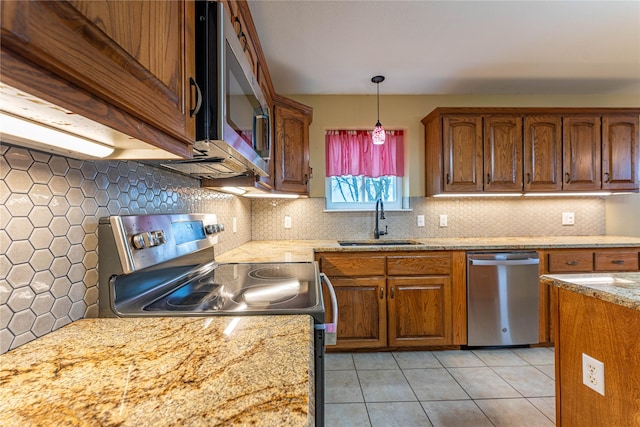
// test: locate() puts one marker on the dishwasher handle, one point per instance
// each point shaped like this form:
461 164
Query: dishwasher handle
527 261
331 329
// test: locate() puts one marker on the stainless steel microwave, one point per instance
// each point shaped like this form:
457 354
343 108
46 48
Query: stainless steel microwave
234 115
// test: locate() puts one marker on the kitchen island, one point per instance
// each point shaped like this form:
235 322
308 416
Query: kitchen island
597 315
191 371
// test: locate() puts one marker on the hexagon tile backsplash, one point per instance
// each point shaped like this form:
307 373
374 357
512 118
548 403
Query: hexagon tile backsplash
49 210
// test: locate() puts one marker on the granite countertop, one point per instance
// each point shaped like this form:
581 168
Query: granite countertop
303 250
618 288
195 371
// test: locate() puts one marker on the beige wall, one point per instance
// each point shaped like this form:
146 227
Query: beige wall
623 215
406 111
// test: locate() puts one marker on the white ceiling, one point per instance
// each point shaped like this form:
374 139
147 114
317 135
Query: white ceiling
451 47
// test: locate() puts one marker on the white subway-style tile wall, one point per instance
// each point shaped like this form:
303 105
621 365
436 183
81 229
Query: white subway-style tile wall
467 217
49 210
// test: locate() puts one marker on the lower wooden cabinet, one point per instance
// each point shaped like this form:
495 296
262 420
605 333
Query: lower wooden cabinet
392 299
362 311
419 311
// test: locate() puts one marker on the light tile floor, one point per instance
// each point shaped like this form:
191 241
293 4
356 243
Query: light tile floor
453 388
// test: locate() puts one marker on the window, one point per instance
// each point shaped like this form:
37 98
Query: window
359 173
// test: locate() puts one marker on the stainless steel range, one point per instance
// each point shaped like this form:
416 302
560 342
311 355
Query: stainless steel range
163 265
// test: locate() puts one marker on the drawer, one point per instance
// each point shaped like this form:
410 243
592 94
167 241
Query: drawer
571 261
408 265
616 261
336 266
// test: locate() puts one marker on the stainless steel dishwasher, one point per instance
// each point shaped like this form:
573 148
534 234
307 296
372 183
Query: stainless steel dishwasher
502 298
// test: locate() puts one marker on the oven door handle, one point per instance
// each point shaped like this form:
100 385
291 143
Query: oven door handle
331 329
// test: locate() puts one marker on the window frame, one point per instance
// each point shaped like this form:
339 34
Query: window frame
397 204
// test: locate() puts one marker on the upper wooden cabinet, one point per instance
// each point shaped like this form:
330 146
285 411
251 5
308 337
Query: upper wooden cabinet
462 150
135 56
503 153
290 153
620 152
542 153
531 150
581 153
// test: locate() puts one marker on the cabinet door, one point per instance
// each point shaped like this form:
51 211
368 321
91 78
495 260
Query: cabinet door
291 150
542 153
620 153
419 311
462 153
503 153
135 55
362 314
581 153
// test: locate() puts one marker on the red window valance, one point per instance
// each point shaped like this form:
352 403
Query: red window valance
351 152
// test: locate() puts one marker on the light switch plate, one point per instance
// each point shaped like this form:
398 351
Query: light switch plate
443 220
287 221
420 220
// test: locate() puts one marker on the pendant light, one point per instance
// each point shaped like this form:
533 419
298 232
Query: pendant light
378 132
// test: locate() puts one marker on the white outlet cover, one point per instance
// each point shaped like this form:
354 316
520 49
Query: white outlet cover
287 221
593 373
568 218
420 220
443 220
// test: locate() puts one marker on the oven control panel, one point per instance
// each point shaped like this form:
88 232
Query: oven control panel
145 240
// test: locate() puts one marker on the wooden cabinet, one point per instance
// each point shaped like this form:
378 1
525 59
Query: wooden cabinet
419 311
503 153
620 152
462 152
531 150
362 312
136 57
581 153
542 153
289 163
394 300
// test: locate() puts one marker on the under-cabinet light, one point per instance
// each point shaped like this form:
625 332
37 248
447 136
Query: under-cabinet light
271 195
478 195
23 131
567 194
233 190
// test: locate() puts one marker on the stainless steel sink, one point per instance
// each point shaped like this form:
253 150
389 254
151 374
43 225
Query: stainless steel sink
377 242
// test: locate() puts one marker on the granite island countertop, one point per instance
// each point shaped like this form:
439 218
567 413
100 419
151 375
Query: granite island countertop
191 371
617 288
303 250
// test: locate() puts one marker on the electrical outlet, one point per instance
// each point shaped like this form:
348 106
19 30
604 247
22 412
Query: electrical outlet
593 373
420 220
234 225
443 220
567 218
287 221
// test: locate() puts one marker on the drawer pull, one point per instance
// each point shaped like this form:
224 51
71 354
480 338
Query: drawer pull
617 261
572 263
393 293
381 293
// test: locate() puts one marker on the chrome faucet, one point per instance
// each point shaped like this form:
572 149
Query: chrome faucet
376 232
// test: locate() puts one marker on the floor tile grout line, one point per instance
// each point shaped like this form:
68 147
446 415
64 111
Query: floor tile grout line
412 390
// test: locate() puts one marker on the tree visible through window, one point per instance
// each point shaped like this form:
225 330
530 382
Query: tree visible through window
359 173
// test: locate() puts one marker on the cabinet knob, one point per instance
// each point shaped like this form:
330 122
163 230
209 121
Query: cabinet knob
528 178
393 292
488 178
567 177
448 179
606 177
381 292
